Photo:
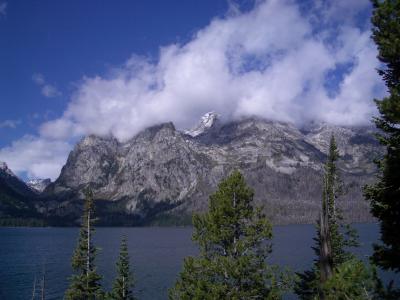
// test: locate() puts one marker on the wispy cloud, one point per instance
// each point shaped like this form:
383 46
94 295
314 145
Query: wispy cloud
50 91
10 124
273 61
38 79
47 89
3 8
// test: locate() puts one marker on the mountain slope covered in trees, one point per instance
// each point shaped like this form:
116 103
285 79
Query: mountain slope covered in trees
17 200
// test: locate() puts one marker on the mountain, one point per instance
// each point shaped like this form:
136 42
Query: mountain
38 185
162 175
206 122
7 177
17 200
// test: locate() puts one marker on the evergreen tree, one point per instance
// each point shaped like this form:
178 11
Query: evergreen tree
85 284
384 196
123 284
341 235
325 245
351 280
333 237
233 239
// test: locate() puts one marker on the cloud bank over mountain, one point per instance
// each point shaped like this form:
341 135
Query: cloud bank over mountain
281 60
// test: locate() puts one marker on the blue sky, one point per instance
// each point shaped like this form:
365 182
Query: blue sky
72 68
66 40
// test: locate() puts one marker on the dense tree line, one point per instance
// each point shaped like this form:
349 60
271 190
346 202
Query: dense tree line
22 222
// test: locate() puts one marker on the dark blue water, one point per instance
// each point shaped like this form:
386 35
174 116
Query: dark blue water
156 255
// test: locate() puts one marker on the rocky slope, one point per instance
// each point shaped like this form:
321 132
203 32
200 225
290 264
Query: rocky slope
38 185
163 174
16 198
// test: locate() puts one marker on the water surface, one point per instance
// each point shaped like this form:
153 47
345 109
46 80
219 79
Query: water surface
156 255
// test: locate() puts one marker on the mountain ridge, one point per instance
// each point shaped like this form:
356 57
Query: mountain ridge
165 173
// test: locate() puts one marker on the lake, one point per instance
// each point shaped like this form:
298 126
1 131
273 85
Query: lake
156 253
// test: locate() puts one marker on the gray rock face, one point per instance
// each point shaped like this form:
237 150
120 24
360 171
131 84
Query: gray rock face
38 185
165 172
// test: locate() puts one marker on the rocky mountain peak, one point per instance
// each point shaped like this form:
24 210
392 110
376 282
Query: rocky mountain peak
4 167
163 172
38 185
205 123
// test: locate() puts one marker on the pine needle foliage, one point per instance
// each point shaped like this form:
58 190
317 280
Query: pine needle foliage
351 280
123 284
233 237
85 283
342 236
384 196
334 237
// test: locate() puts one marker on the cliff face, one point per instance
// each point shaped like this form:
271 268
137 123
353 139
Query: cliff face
164 173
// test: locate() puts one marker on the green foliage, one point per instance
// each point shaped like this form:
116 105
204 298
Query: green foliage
123 284
351 280
340 236
308 283
233 238
16 208
22 222
167 219
384 196
85 284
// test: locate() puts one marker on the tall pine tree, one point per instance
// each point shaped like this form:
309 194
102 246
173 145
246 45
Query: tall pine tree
233 239
333 237
123 284
85 284
341 235
384 196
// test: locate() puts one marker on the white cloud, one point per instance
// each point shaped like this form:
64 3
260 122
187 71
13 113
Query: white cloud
271 62
267 62
3 8
47 89
38 157
10 124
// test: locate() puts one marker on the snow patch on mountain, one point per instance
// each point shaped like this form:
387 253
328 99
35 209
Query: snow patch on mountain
205 123
38 185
